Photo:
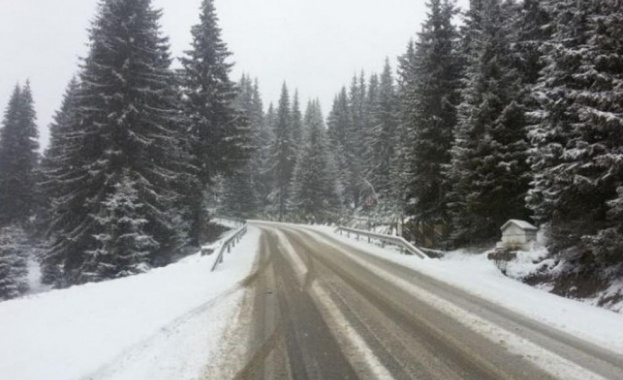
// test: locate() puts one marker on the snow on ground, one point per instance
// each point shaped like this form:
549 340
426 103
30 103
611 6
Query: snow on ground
528 262
478 275
229 223
160 325
34 277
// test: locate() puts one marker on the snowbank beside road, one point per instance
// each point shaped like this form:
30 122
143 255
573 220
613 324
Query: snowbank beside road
160 325
478 275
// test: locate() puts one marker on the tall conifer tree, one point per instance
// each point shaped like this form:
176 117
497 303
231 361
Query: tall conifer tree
297 120
18 158
383 142
489 170
243 190
315 187
578 185
431 106
283 155
121 137
219 133
340 121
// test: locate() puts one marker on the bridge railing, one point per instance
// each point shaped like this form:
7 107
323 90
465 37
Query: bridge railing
400 242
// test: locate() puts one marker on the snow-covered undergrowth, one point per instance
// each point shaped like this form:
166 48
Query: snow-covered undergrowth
160 325
478 275
545 272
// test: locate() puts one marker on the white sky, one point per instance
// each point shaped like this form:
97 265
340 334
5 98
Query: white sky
314 45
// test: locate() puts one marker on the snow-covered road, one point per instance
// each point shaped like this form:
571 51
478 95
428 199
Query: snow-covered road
302 302
326 307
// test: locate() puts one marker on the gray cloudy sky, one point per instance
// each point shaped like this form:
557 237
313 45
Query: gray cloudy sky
314 45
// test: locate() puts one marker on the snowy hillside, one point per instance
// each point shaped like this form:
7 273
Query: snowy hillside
131 328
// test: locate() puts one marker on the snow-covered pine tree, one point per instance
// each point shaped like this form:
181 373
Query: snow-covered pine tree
315 187
52 161
431 109
219 133
124 119
407 74
262 159
354 141
383 142
297 120
239 193
262 136
282 155
59 174
489 171
18 158
123 246
13 263
577 156
368 138
62 120
340 121
534 31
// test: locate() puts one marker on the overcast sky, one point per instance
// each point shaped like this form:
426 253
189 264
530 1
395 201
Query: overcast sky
314 45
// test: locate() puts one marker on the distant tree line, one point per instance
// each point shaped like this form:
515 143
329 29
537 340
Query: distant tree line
291 174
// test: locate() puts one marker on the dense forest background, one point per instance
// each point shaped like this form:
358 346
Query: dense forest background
509 109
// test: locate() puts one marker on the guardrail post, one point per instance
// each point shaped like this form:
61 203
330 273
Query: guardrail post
228 248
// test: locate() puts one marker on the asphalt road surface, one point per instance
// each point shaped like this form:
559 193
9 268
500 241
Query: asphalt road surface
321 309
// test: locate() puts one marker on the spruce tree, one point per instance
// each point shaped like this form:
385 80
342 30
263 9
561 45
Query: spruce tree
283 155
383 142
121 131
340 121
60 174
240 195
123 246
219 133
489 170
348 127
18 158
297 121
407 75
534 32
430 106
262 137
577 187
354 141
316 195
262 158
52 162
13 263
369 136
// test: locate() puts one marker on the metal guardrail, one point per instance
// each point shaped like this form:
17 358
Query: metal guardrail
228 244
400 242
